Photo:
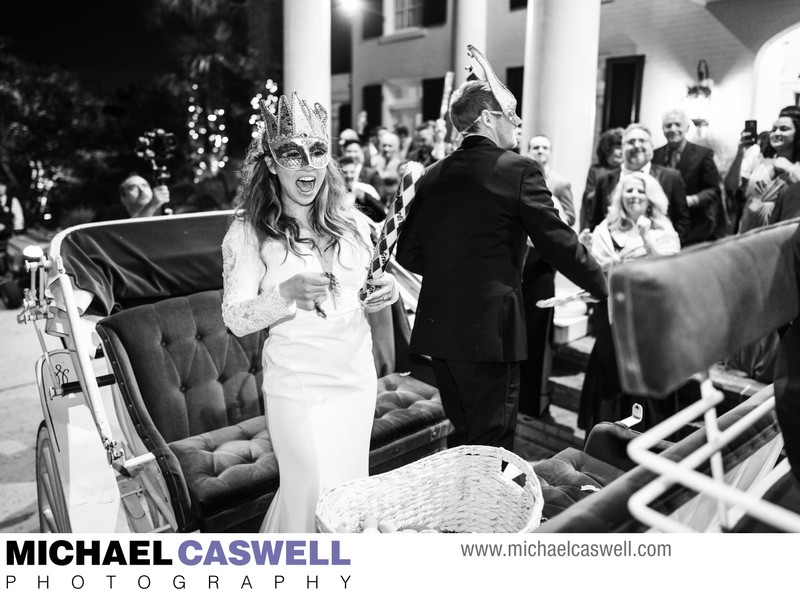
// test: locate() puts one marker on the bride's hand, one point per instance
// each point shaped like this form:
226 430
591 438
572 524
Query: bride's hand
305 288
385 293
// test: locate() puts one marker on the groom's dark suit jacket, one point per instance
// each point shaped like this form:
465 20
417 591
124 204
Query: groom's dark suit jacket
670 181
466 235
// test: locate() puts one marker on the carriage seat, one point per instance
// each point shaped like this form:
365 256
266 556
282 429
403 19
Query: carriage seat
193 392
572 475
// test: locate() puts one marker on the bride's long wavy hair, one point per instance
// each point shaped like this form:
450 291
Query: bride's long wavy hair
259 203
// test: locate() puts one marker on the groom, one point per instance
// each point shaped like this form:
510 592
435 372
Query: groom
466 235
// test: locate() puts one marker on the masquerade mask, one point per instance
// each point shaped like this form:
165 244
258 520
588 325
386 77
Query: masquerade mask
296 153
297 136
505 98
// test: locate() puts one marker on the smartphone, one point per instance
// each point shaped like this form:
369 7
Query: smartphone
751 128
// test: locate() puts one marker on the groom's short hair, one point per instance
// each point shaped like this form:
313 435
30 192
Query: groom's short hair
467 103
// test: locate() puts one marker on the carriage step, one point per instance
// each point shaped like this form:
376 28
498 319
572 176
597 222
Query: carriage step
575 353
569 328
565 388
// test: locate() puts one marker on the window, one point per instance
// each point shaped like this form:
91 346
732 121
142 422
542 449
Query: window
408 13
432 91
372 100
372 25
517 4
345 119
435 13
419 13
514 84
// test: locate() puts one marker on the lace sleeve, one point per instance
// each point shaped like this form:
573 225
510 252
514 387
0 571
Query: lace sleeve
244 308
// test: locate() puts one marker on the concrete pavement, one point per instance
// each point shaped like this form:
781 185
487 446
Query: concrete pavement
21 415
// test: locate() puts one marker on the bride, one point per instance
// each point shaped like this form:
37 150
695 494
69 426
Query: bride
294 259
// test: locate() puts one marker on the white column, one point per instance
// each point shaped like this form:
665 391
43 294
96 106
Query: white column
307 50
470 28
559 90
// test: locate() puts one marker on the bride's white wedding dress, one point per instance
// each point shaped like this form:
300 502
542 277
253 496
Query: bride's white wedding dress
319 376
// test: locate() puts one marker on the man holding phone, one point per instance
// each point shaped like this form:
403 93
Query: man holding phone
699 172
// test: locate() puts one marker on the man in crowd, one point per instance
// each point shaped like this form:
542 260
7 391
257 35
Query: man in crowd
139 199
466 235
700 175
538 282
367 175
389 158
427 147
637 149
12 218
364 195
539 151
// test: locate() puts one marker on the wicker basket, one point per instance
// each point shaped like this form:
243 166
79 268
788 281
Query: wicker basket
462 489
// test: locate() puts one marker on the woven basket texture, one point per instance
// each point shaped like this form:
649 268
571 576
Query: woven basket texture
462 489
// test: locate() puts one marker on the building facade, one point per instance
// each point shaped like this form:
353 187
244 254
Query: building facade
580 66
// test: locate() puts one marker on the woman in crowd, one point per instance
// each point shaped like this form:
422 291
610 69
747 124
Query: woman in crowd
609 157
636 226
294 259
774 168
778 167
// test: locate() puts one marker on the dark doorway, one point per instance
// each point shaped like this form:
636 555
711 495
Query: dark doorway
345 118
432 91
514 84
373 104
623 91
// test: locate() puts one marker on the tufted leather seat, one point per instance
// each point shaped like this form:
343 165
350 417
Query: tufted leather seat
569 476
226 470
193 392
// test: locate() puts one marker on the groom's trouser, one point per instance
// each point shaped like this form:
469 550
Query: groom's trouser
480 399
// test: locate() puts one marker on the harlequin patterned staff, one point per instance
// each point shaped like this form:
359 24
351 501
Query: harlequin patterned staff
398 211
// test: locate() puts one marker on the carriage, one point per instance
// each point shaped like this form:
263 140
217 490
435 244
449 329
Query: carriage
153 417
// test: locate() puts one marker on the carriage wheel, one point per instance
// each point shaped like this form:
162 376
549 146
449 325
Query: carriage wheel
52 505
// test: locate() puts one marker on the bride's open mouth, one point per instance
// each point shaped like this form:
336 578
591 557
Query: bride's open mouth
305 184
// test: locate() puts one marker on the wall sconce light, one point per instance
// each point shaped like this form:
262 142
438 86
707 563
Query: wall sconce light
698 96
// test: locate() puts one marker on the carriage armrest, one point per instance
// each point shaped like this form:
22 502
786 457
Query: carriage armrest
609 441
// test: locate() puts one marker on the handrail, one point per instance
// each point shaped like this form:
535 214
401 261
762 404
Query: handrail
92 390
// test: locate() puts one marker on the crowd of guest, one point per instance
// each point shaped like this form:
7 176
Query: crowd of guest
374 162
638 201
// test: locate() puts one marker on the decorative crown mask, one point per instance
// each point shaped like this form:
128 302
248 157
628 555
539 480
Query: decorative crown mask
505 98
297 135
294 118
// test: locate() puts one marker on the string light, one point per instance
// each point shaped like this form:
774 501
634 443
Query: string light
208 146
271 101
